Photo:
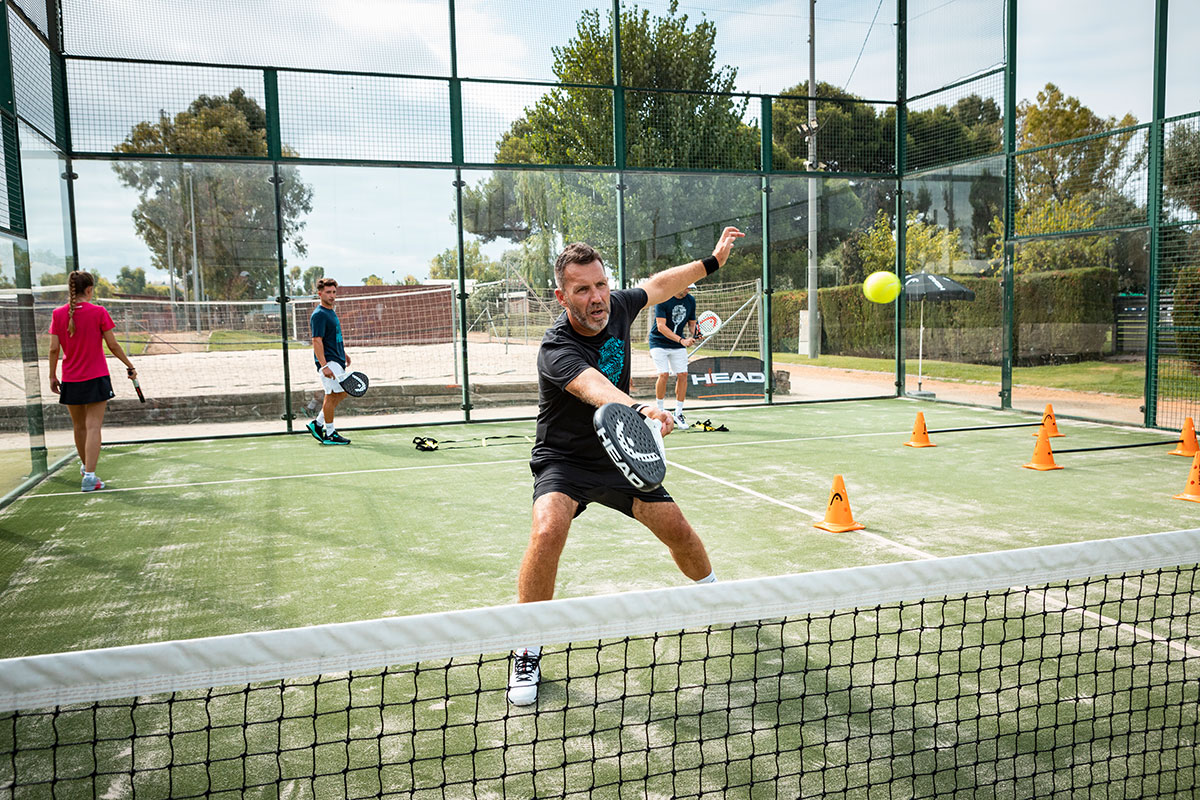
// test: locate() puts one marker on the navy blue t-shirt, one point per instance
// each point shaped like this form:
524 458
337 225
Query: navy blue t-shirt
326 327
677 312
564 423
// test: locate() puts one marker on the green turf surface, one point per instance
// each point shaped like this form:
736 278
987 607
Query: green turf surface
204 538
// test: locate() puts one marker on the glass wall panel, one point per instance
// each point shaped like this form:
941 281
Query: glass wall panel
15 440
1099 57
517 42
388 237
936 60
856 339
185 259
1080 325
953 338
315 34
515 223
674 219
1183 79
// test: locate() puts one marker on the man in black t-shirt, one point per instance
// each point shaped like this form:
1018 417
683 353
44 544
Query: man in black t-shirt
583 363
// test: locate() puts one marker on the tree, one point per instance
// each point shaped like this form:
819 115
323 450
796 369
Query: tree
372 280
1181 169
233 205
309 280
570 125
850 138
104 287
477 266
131 281
925 245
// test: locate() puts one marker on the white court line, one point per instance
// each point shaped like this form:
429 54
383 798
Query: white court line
1124 626
104 492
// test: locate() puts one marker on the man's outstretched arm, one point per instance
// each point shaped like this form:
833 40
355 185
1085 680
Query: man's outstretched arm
672 281
593 388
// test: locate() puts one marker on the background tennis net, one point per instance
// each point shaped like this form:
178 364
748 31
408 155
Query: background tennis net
1063 671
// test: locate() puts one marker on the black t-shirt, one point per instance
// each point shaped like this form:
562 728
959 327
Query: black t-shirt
564 423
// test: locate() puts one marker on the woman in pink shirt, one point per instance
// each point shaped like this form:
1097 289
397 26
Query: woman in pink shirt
77 329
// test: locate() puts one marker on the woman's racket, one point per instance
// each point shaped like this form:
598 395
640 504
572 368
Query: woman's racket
634 443
708 323
137 387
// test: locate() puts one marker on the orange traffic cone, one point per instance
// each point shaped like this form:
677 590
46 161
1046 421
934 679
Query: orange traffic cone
838 518
1049 423
1188 447
920 434
1192 492
1043 456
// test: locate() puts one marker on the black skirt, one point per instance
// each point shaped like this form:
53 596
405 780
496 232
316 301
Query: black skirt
80 393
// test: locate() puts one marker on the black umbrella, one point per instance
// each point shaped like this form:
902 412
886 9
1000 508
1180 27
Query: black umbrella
935 288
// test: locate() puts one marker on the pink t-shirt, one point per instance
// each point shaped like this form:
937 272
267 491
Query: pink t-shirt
83 353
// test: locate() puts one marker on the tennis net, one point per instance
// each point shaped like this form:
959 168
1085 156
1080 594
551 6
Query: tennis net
1063 671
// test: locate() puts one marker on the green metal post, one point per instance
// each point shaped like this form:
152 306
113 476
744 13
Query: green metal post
284 300
901 157
1154 210
274 136
619 142
456 147
1008 328
768 288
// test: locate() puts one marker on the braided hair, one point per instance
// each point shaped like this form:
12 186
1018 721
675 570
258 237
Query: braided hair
77 282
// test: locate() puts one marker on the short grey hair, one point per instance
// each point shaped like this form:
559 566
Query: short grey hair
575 253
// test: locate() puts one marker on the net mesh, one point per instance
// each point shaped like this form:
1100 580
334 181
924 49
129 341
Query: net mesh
110 101
32 82
1177 371
497 121
851 136
364 117
692 130
938 681
956 124
1181 170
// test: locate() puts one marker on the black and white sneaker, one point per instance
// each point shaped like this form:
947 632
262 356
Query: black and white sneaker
526 673
334 438
317 431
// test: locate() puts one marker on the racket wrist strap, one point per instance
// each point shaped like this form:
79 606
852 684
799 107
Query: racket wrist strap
638 407
711 264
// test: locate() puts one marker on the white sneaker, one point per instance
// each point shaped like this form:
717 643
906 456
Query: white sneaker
680 422
523 683
91 484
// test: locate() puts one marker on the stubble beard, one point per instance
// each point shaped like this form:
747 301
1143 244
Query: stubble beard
586 322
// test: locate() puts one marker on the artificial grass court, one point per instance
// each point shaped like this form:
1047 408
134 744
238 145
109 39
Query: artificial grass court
224 536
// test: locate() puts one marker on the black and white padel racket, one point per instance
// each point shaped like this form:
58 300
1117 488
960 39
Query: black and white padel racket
355 384
634 443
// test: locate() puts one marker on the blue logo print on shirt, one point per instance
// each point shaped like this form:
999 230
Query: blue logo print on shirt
612 359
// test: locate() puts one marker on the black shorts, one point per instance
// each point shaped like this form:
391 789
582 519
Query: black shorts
607 487
80 393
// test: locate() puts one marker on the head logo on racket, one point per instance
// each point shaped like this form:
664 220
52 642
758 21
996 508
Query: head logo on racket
633 443
708 323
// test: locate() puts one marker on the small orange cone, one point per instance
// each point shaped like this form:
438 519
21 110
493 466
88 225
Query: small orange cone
838 518
1043 456
1188 435
1192 492
1049 423
920 434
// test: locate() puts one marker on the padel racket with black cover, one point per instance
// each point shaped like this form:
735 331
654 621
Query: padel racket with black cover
634 443
355 384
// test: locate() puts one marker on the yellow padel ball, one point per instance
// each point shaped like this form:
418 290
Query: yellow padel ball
881 287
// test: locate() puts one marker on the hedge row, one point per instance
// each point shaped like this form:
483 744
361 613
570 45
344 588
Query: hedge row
1065 313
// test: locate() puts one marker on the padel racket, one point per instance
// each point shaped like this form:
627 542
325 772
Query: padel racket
355 384
708 323
137 387
634 443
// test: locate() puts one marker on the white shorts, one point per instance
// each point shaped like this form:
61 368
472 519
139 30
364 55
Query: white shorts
332 385
672 360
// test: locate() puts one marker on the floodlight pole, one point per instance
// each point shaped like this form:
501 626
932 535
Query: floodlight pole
814 323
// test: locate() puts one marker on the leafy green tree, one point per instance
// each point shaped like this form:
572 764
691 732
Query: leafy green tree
309 280
233 204
1181 169
372 280
131 281
477 266
104 287
927 246
851 137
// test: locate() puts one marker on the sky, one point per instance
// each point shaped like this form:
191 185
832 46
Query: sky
391 221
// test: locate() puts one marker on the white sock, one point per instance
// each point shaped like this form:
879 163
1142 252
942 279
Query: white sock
678 406
661 401
321 419
329 428
89 476
709 578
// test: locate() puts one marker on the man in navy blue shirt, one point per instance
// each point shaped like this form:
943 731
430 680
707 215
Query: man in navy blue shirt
673 333
329 353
